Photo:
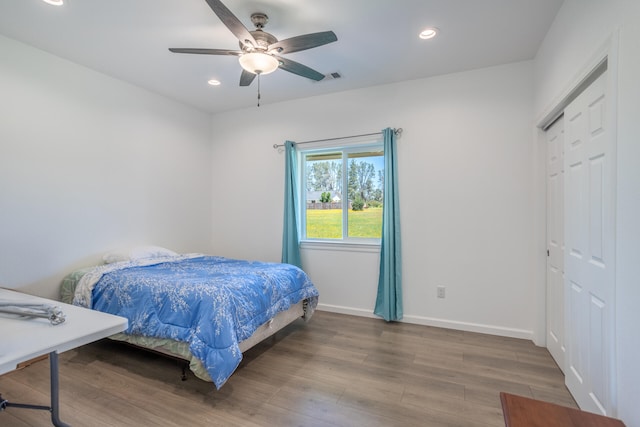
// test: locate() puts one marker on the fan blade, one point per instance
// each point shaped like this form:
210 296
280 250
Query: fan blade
299 69
307 41
233 24
206 51
246 78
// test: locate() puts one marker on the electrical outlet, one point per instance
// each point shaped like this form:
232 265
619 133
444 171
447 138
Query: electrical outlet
440 291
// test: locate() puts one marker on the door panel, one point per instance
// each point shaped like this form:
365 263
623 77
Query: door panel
555 242
589 239
597 350
576 317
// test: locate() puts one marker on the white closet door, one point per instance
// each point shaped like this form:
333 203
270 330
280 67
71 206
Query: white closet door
555 242
589 255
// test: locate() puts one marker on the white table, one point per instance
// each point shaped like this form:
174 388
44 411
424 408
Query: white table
23 339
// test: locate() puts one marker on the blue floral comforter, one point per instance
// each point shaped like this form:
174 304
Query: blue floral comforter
212 303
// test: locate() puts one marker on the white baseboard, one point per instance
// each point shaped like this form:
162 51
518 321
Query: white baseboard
347 310
439 323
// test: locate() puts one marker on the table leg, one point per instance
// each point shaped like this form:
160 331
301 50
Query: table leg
55 384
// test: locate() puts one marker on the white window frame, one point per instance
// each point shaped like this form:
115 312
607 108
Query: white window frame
346 242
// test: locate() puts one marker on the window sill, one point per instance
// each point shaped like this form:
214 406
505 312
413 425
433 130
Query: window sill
317 245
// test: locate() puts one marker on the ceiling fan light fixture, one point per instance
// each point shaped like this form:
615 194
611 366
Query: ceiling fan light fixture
258 63
54 2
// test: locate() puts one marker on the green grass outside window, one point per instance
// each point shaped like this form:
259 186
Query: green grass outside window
327 223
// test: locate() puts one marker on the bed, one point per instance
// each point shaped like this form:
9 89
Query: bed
204 309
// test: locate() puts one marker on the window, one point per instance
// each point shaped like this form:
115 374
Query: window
342 193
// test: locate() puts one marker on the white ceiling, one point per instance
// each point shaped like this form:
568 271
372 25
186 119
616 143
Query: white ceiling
377 41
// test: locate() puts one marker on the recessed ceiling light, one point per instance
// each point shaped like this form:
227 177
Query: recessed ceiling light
54 2
428 33
214 82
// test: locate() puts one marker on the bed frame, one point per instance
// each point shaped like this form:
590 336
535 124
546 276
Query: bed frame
179 350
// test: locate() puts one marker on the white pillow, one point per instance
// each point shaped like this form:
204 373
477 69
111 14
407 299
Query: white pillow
138 252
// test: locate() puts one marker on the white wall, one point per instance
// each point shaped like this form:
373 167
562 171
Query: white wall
466 190
579 29
89 164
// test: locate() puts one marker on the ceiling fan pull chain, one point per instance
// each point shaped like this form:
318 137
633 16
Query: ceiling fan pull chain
258 89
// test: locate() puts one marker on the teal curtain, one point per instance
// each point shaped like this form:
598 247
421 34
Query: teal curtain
389 299
290 242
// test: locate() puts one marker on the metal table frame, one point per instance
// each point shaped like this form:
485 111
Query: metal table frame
55 397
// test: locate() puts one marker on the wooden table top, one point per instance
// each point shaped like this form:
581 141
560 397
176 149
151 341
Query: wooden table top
525 412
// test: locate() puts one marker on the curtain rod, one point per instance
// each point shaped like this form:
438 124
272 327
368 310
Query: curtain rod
396 131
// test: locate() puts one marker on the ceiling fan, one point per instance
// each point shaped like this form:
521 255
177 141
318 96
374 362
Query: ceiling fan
260 51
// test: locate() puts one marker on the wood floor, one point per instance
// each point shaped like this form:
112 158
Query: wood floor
336 370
